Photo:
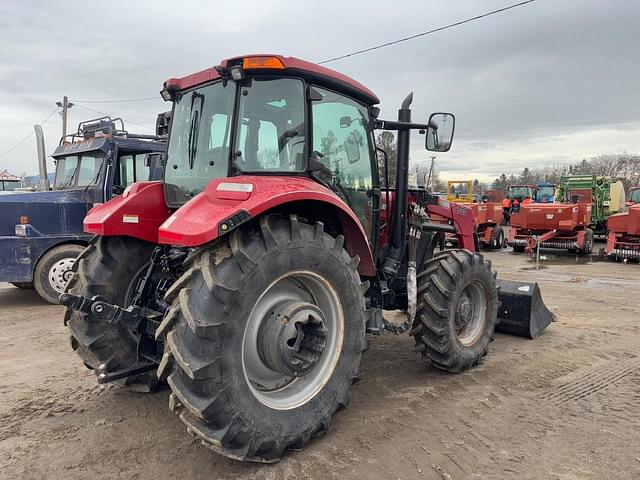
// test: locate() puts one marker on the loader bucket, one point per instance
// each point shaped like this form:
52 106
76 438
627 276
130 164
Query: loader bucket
521 311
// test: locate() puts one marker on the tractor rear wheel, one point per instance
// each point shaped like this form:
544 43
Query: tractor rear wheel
457 310
264 338
109 268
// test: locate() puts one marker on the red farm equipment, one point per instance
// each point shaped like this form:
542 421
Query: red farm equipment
248 278
623 236
487 216
552 225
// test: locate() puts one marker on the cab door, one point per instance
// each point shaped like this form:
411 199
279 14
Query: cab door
342 140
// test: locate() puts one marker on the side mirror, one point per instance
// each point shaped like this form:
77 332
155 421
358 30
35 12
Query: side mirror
345 122
440 132
352 146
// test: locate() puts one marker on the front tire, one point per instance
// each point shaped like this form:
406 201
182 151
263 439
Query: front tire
230 349
108 268
457 310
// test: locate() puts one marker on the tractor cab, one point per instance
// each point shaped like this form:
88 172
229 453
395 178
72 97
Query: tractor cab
521 192
545 193
273 116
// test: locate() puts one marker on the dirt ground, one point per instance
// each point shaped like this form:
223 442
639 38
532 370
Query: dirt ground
564 406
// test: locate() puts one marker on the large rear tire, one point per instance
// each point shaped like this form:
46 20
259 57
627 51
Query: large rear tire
109 268
231 342
457 310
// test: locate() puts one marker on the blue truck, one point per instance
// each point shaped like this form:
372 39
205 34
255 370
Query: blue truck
41 232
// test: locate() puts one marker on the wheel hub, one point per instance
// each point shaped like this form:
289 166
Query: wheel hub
465 312
292 338
60 274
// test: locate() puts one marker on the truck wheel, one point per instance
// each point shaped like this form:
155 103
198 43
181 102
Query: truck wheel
457 310
53 271
264 338
109 267
497 238
588 242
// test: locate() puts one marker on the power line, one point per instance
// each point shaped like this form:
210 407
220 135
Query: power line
429 32
27 136
127 100
108 115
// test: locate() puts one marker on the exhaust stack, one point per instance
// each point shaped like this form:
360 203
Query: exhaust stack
43 184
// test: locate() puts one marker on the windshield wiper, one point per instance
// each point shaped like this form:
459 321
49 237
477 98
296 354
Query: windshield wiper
192 143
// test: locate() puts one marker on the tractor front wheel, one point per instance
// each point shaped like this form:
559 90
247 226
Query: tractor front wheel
457 310
264 338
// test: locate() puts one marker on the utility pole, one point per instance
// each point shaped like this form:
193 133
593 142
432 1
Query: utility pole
65 105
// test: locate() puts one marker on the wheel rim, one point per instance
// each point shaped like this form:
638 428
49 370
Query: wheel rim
292 303
471 314
60 273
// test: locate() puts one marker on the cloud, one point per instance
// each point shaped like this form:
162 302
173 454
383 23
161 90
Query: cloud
547 82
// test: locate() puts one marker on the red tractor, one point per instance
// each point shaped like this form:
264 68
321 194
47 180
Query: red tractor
248 278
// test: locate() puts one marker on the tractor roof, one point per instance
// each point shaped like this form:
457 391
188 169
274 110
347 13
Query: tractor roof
267 63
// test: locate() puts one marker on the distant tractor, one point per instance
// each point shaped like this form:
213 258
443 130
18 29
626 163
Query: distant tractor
522 193
487 215
623 237
545 193
605 196
248 278
41 233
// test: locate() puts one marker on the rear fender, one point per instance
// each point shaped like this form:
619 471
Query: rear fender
137 213
228 202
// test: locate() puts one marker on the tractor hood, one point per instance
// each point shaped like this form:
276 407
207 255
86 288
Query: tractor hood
57 212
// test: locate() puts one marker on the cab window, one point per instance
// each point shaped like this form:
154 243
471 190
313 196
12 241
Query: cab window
270 126
132 168
342 142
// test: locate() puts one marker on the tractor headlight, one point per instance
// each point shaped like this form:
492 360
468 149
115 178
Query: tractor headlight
236 73
22 230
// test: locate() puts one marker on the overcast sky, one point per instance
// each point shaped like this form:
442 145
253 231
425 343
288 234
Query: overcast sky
547 83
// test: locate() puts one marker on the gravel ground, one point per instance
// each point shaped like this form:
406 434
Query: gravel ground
564 406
